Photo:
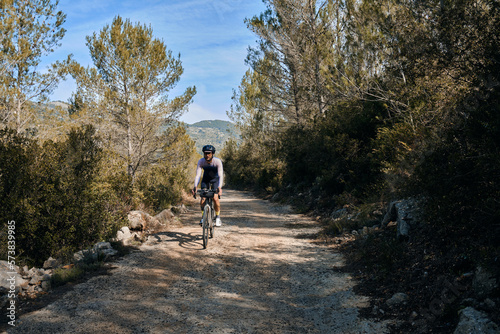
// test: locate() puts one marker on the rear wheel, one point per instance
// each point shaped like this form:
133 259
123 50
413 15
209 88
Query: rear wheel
206 225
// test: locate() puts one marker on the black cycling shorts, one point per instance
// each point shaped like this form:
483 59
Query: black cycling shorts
211 184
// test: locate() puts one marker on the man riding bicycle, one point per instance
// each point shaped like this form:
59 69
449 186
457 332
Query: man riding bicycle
213 175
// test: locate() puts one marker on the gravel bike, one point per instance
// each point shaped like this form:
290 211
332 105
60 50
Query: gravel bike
208 221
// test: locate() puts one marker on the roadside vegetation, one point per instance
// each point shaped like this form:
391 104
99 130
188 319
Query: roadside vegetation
69 176
346 105
351 104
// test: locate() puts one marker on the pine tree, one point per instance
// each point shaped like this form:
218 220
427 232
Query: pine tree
127 90
30 30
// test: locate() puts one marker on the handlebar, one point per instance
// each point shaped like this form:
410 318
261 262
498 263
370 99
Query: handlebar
206 192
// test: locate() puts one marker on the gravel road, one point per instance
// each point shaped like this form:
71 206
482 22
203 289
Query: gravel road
260 274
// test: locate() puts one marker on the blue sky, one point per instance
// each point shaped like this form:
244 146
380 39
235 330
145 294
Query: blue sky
210 36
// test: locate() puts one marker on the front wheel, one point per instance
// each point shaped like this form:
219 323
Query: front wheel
206 225
212 225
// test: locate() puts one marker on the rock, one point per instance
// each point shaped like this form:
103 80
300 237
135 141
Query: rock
473 321
107 253
405 213
179 209
4 297
86 255
139 220
38 279
164 217
51 263
484 282
397 299
104 250
100 251
136 237
391 214
489 303
123 234
102 245
339 213
78 256
136 220
46 286
470 302
403 230
5 266
10 276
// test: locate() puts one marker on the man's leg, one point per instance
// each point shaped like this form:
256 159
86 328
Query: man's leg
217 210
217 204
202 206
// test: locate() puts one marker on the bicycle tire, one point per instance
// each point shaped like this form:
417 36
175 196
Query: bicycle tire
206 225
212 225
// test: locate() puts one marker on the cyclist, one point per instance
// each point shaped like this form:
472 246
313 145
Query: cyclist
212 175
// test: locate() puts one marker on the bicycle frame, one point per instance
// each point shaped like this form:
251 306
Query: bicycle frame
208 225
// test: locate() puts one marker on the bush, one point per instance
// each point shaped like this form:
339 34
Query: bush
252 165
56 201
336 155
161 185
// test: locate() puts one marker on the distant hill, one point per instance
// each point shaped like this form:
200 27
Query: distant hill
214 132
61 104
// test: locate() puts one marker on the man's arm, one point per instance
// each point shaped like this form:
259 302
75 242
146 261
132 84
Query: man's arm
197 177
220 172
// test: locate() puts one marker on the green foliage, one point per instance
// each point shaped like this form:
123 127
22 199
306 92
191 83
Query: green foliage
458 172
56 203
17 154
62 276
352 217
30 30
382 255
70 188
336 155
250 166
126 92
371 101
163 183
162 186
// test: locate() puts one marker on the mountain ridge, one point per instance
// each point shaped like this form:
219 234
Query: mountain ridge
213 132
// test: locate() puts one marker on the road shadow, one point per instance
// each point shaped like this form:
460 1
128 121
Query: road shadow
192 240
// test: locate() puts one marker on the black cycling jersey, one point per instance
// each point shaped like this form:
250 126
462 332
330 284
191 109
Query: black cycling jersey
212 173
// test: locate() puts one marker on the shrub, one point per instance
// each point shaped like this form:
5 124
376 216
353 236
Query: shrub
56 201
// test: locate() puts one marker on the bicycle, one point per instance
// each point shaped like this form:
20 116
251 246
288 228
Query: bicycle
208 218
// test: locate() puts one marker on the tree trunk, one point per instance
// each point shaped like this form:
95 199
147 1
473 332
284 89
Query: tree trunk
130 168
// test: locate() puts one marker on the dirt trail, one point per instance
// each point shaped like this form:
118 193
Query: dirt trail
259 274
